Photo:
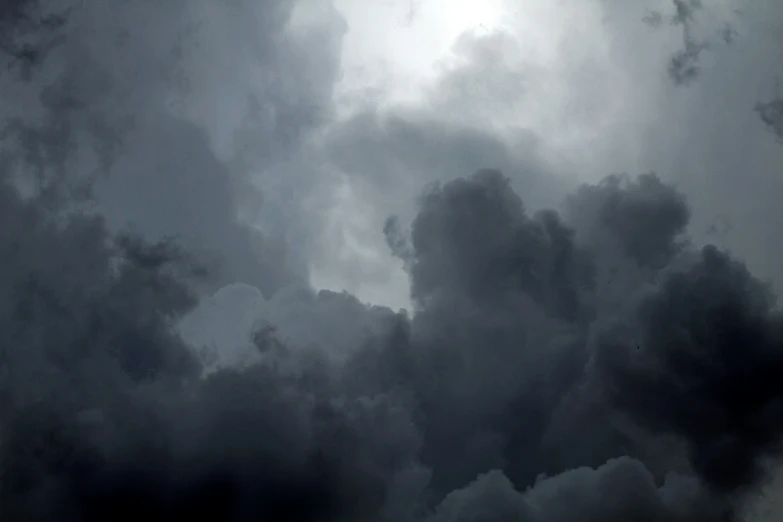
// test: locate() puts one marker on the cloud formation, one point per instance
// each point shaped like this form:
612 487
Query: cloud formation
593 361
107 414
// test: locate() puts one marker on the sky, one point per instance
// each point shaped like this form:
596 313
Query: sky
580 82
398 261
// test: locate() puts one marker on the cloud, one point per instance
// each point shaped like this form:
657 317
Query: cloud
104 410
584 361
125 100
381 159
109 411
622 489
771 114
473 237
644 216
706 138
686 354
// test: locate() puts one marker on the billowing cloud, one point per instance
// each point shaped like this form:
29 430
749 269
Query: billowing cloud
686 354
108 413
173 175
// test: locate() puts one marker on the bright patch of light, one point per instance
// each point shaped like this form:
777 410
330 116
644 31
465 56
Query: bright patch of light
538 65
391 47
454 17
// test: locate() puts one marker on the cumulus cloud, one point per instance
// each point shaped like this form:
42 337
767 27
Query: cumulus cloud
590 360
109 412
685 355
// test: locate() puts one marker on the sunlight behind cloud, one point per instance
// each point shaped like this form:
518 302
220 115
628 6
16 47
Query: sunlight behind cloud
490 64
458 16
391 47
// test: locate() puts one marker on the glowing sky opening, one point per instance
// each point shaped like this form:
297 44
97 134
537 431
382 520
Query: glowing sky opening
395 53
394 46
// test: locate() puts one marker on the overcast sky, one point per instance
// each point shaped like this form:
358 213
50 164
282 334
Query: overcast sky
391 260
580 87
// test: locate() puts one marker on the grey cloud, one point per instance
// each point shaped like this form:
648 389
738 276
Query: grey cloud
391 155
491 497
622 489
422 406
771 113
24 46
489 79
707 138
645 216
473 236
167 182
104 413
149 167
686 353
522 358
684 65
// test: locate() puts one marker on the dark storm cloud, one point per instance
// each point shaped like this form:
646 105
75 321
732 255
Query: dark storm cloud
704 365
622 489
554 367
472 236
646 217
106 415
490 285
727 451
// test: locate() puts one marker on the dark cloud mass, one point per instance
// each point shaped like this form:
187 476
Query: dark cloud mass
771 113
591 364
674 373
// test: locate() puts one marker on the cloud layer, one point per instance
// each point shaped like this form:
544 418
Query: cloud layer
588 360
